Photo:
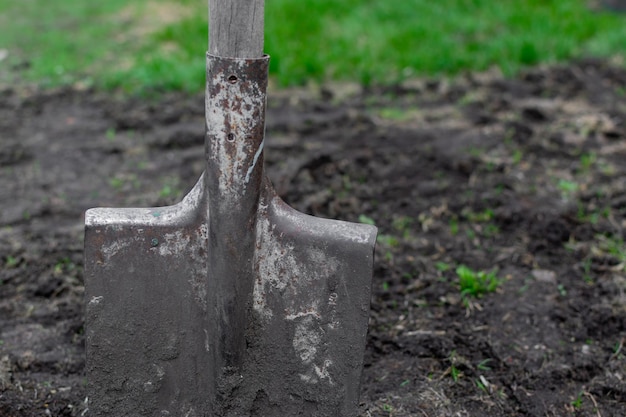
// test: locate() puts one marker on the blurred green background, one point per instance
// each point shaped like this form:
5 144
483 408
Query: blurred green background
159 45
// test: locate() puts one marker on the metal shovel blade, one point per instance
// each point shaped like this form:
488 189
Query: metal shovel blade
229 303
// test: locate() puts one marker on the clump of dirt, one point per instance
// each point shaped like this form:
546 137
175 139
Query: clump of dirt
520 180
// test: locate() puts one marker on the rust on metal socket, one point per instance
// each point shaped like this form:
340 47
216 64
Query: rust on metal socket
235 126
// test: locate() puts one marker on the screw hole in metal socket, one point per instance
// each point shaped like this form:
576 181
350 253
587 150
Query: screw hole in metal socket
230 137
232 79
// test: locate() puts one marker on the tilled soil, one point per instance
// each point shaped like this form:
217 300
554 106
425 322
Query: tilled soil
524 178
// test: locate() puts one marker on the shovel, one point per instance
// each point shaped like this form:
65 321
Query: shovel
229 303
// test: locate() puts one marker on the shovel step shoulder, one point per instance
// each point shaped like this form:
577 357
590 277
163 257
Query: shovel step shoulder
178 214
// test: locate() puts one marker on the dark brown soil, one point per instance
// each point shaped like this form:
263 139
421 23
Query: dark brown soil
523 177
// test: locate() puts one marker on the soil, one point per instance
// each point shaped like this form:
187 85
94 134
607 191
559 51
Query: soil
523 179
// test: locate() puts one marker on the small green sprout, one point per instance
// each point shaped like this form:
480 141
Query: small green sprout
481 385
491 230
587 271
170 188
388 240
476 283
397 114
110 133
578 401
454 227
455 373
482 365
403 225
166 191
116 183
11 261
618 347
587 160
614 246
442 266
479 217
567 187
366 220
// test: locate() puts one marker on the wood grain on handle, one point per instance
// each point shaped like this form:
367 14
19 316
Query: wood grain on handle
236 28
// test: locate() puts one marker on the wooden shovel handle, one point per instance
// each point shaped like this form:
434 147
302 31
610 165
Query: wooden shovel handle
236 28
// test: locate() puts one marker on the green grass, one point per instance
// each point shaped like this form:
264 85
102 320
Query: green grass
476 283
55 42
159 45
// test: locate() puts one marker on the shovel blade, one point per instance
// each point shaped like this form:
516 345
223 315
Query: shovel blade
145 289
230 303
149 337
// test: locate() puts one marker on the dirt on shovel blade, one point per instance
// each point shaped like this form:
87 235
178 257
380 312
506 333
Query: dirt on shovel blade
499 284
